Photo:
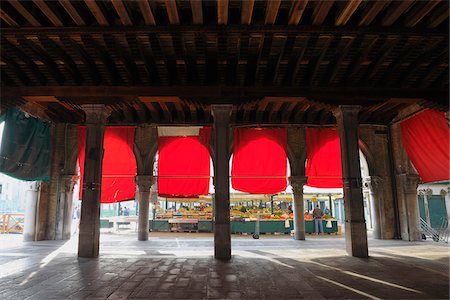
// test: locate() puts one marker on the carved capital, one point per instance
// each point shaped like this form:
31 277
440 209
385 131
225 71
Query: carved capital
374 183
297 183
408 183
144 182
34 186
96 113
445 192
425 192
68 182
221 113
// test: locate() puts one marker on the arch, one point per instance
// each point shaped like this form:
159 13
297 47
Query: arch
368 156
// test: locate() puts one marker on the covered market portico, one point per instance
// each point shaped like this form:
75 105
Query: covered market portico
361 67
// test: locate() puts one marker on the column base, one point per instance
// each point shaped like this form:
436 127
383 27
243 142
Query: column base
88 245
143 236
356 239
222 241
299 235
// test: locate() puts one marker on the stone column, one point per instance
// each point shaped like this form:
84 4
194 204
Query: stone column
409 207
375 185
222 237
446 194
355 224
297 183
29 230
67 185
426 193
89 238
143 185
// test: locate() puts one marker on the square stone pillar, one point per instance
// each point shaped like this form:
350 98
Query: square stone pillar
355 224
222 232
409 206
297 183
65 208
89 237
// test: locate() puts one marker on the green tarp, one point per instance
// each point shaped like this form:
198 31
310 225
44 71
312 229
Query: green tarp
25 149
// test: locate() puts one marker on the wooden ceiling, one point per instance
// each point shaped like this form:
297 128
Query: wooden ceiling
278 62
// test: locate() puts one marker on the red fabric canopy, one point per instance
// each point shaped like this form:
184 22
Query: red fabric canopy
184 165
426 140
323 166
119 164
259 163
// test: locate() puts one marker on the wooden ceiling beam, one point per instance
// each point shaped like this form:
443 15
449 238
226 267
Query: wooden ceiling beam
255 45
296 12
297 53
233 45
172 12
342 49
233 94
371 11
147 56
30 64
190 54
170 61
125 56
275 55
197 12
72 12
146 12
25 13
432 69
271 11
396 9
5 17
16 70
418 14
440 15
321 11
322 45
247 11
97 12
347 12
222 12
46 10
121 10
211 55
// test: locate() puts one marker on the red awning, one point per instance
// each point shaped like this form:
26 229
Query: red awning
184 165
323 166
119 164
259 163
426 140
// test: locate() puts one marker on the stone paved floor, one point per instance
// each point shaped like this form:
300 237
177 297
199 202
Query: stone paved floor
181 266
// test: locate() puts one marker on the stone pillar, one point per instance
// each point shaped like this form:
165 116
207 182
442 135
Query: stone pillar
355 225
143 185
297 183
426 193
89 238
409 207
446 194
375 185
64 213
222 237
31 204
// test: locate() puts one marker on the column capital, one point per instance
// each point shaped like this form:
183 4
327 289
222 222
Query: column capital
96 113
221 112
34 186
297 183
144 182
409 182
374 183
69 181
426 192
444 192
350 112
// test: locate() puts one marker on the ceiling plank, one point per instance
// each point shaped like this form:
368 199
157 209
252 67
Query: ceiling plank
48 13
347 12
5 17
255 45
396 9
122 12
296 13
273 61
72 12
25 13
271 11
172 12
166 42
190 53
15 69
146 11
125 56
371 11
321 11
418 14
197 12
233 45
432 69
322 45
439 16
335 63
147 56
97 12
297 53
247 11
211 41
222 12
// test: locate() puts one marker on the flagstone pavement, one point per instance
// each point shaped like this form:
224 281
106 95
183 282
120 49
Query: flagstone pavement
181 266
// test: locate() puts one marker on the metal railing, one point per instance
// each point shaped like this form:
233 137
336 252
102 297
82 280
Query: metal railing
437 234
